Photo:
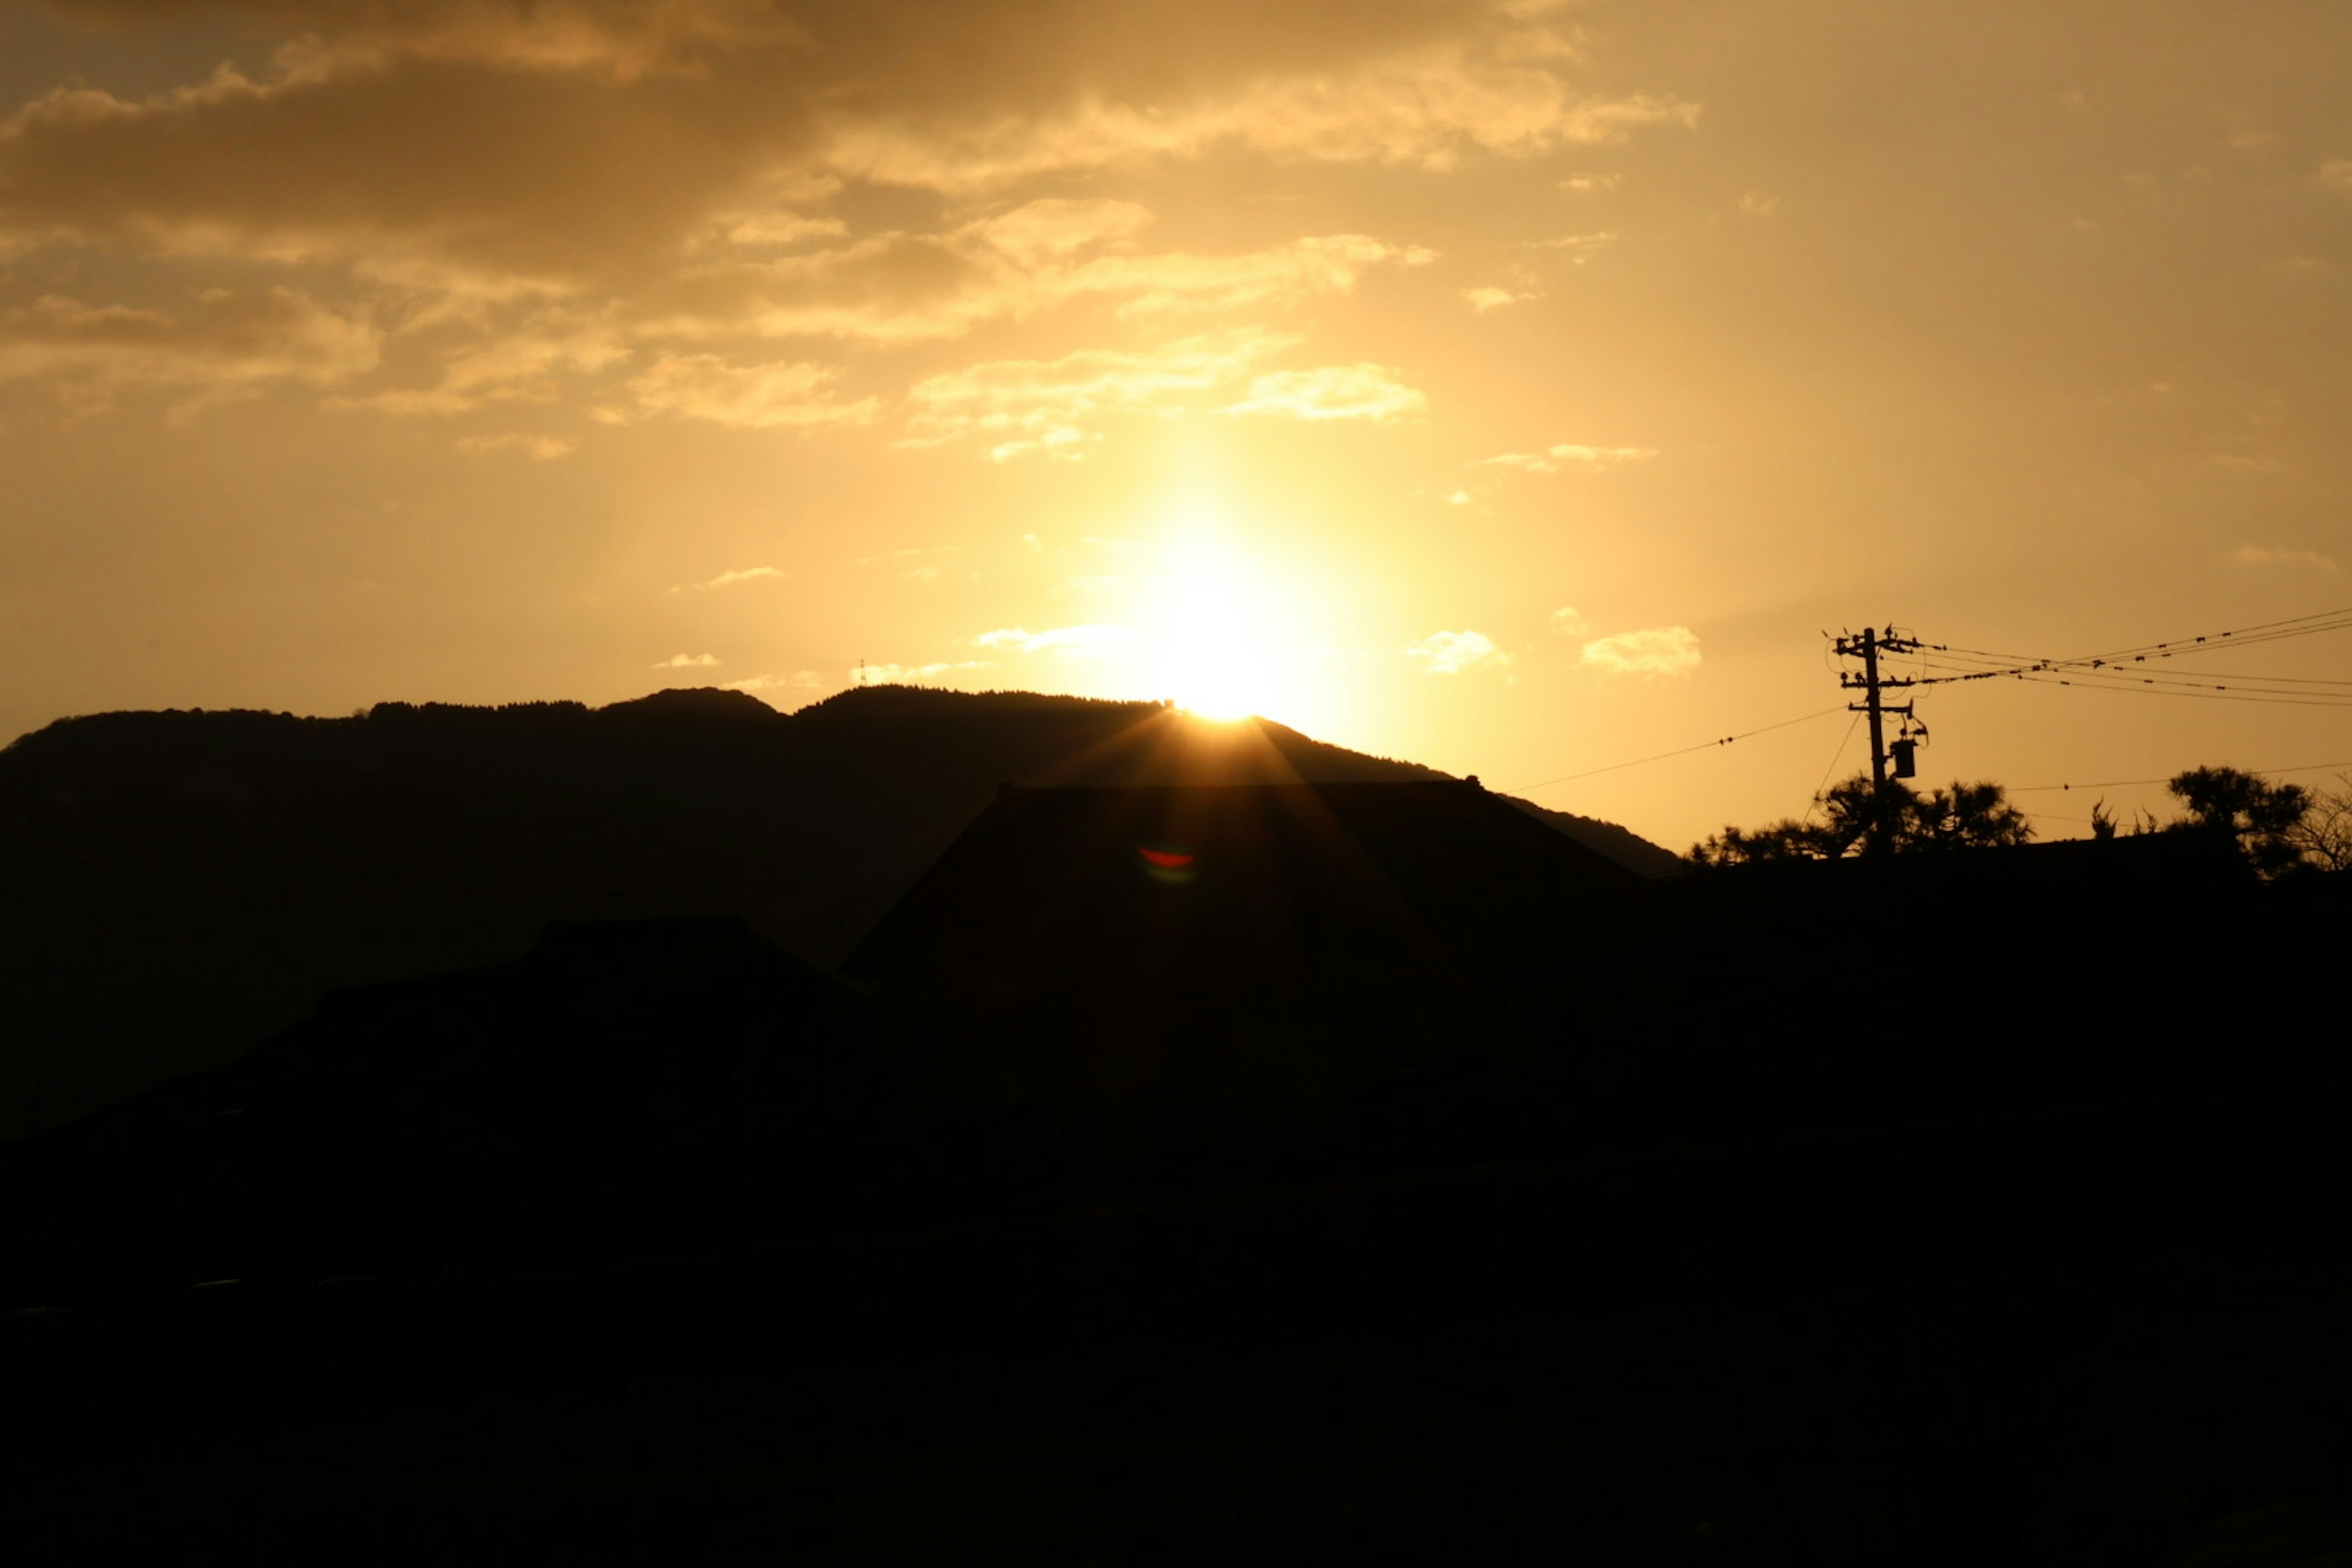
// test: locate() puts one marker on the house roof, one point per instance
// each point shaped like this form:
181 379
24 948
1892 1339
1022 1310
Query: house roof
1227 887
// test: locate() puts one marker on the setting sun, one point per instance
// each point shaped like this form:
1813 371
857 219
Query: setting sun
1224 630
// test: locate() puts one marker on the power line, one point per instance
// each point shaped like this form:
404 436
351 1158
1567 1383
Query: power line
1834 757
2237 637
2120 784
1683 751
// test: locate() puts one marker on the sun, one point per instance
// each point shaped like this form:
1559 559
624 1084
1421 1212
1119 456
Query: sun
1227 637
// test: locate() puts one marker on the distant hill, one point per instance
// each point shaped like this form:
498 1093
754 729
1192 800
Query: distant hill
182 884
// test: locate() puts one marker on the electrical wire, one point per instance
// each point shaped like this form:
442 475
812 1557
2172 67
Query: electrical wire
1684 750
1826 772
2121 784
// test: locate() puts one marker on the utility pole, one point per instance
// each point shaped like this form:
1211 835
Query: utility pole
1867 647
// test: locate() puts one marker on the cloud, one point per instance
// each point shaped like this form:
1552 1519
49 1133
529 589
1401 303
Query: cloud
1568 621
1061 441
754 396
1552 459
1083 641
542 447
799 680
1451 653
1580 247
745 575
1590 184
1758 204
899 287
578 183
1047 402
1492 297
1426 106
901 674
1053 228
1331 392
688 661
2255 556
2336 174
525 359
1656 650
592 131
223 343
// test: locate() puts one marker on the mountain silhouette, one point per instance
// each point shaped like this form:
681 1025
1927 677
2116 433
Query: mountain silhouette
187 883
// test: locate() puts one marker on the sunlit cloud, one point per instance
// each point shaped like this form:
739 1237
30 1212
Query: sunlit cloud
1568 621
1656 650
1494 298
2255 556
1332 391
1425 108
909 674
542 447
911 553
2336 174
755 396
744 574
1552 459
798 680
227 342
532 360
1451 653
688 661
1082 641
1048 403
1063 442
1590 184
1580 247
903 288
1758 204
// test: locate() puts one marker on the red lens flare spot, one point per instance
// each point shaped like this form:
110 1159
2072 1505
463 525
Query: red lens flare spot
1166 859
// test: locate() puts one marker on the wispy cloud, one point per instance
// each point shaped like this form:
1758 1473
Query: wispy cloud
1580 247
2254 555
1552 459
542 447
1035 404
1656 651
1494 298
798 680
1451 653
688 661
904 674
756 397
743 575
1080 641
1568 621
1332 391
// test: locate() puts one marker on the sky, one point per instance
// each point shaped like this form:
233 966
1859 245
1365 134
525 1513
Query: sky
1523 388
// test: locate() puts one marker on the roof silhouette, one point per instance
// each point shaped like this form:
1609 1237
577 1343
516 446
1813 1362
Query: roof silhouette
1257 889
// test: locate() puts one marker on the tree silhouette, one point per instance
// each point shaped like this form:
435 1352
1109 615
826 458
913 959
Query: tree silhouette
2259 819
2324 836
1858 816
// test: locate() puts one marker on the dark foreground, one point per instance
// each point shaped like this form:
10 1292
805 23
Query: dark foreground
1642 1237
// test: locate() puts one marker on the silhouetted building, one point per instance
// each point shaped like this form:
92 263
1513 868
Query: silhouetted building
1173 897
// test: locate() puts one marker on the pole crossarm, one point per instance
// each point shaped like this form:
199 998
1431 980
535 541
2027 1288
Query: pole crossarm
1867 647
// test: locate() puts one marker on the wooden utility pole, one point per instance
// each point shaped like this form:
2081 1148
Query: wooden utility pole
1867 647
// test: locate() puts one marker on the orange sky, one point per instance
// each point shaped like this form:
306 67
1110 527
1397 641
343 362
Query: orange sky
1517 387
